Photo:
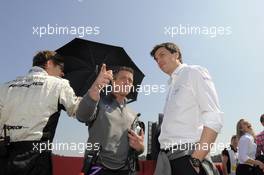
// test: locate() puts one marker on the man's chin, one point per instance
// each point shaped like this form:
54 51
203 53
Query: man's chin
165 71
124 94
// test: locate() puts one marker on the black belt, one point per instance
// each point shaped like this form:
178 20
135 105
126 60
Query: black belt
175 153
26 145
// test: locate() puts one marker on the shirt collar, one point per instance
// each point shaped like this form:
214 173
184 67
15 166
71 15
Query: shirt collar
37 70
176 72
232 148
111 98
248 134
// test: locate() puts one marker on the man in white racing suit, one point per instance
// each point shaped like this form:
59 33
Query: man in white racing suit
29 112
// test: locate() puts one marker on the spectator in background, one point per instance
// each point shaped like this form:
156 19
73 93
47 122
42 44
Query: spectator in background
230 157
246 149
260 139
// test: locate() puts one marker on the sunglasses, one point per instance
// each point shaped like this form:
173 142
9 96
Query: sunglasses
61 65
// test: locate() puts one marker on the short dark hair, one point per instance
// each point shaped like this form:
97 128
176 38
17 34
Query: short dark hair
262 118
42 57
122 68
233 137
173 48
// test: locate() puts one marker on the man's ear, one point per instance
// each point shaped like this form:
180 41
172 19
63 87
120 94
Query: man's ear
49 64
176 55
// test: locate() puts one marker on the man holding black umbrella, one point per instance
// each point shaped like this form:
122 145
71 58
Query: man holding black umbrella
109 121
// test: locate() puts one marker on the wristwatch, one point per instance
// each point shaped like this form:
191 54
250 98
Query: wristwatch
195 162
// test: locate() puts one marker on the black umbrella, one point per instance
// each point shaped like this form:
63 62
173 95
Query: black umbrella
83 59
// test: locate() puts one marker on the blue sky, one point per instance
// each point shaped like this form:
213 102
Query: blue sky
234 60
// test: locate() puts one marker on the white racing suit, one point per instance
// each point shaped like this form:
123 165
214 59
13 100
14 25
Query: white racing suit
30 108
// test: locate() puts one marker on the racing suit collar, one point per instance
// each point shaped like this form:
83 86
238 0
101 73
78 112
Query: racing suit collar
37 70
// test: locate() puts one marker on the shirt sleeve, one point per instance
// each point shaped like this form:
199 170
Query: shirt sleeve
243 150
2 96
207 99
87 109
68 99
259 145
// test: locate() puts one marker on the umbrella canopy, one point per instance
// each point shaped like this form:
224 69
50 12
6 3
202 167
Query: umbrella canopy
83 59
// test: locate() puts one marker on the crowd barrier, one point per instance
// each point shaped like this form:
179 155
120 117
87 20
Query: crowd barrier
72 166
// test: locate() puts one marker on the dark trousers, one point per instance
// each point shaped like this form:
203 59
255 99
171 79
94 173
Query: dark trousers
257 170
22 160
182 166
243 169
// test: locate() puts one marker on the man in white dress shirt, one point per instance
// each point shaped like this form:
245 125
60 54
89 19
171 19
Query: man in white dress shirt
191 114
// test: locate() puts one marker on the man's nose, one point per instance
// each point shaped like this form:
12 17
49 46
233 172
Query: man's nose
126 82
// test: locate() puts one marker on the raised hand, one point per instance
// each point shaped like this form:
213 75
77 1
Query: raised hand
102 80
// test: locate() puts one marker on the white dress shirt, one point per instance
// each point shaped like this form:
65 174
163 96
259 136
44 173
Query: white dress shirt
246 148
191 103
